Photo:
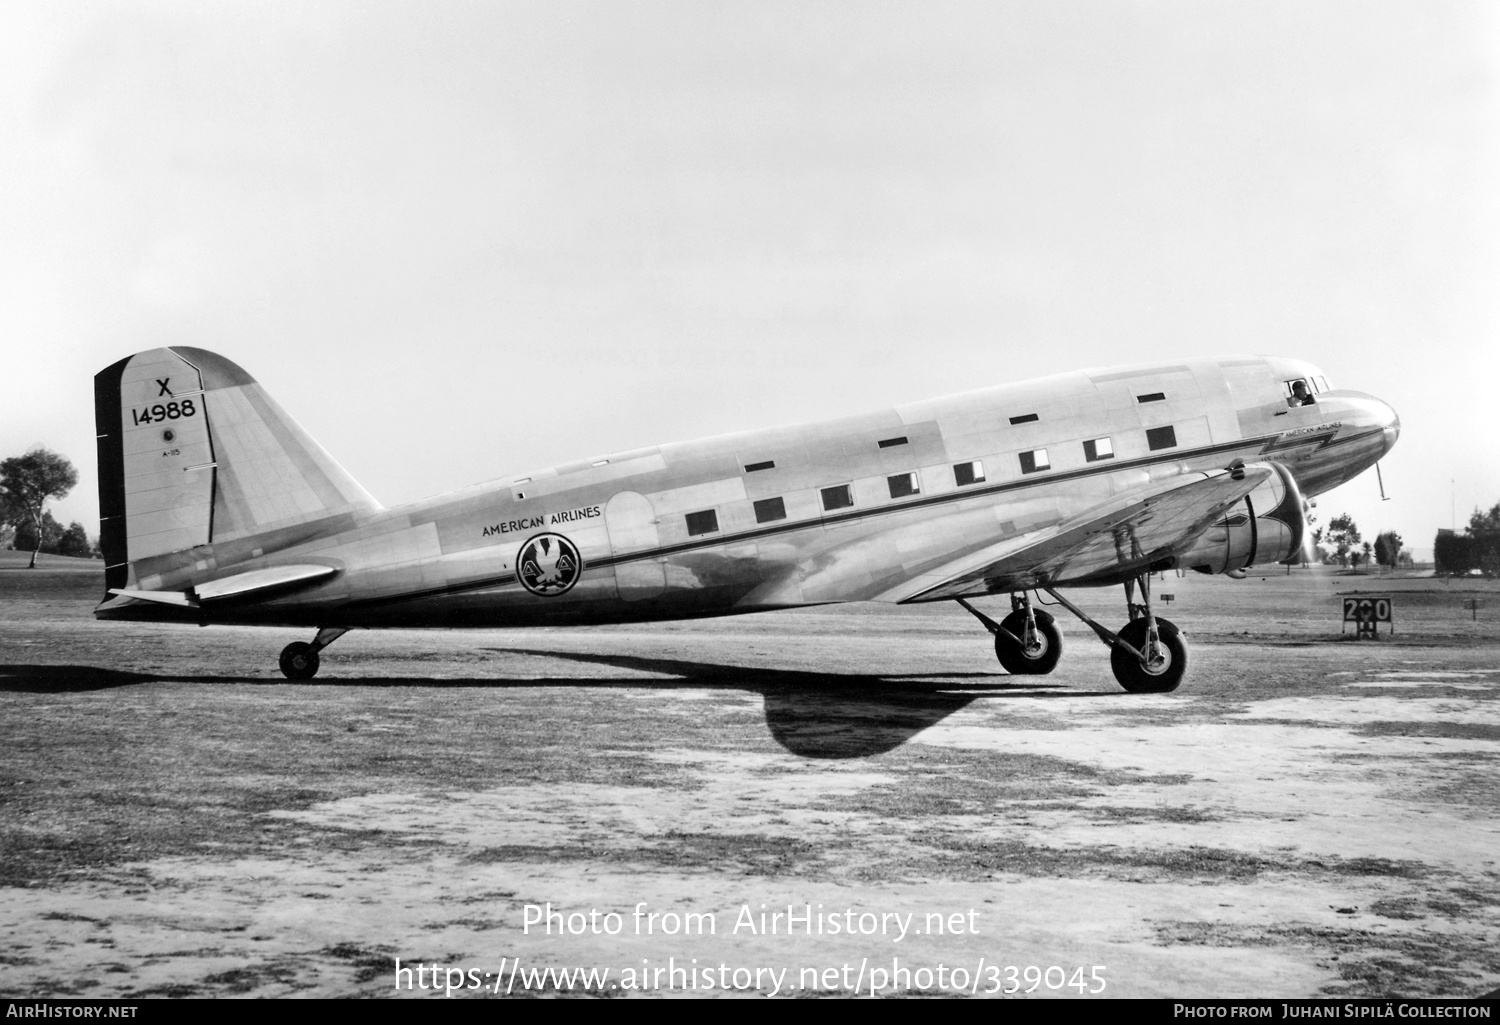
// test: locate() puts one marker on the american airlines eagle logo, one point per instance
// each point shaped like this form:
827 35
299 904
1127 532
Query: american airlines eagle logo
548 564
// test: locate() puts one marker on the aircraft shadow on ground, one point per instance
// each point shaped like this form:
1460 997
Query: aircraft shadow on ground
811 714
52 679
820 714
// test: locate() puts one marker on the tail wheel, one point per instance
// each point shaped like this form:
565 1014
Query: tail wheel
299 661
1162 675
1045 650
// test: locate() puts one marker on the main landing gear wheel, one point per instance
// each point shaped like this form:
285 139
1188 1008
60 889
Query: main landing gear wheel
1034 659
1164 673
299 661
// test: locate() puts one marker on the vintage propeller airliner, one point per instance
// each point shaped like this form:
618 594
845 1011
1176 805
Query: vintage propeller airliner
216 507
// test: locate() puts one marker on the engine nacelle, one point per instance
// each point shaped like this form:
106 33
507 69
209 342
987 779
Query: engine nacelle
1266 526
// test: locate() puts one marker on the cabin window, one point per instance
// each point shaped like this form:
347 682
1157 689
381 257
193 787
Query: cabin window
769 509
1096 449
904 484
705 522
965 474
769 464
891 442
1161 437
1322 383
1155 396
1025 419
837 497
1035 460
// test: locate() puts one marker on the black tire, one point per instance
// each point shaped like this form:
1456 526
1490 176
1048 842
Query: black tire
1135 677
1034 663
299 661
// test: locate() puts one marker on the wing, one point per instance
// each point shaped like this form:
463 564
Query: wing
1111 541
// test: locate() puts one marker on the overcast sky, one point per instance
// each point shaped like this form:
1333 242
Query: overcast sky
464 240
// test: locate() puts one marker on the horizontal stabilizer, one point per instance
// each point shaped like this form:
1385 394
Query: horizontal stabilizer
241 585
161 597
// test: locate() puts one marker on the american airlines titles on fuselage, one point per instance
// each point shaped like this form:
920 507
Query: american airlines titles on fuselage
533 522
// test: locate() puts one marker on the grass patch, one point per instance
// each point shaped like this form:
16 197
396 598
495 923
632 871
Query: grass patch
1425 728
967 781
1159 813
957 856
1368 963
756 854
369 963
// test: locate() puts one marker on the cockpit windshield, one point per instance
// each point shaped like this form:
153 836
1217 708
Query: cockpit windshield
1299 391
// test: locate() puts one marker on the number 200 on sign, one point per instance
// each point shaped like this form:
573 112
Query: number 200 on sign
1376 610
163 411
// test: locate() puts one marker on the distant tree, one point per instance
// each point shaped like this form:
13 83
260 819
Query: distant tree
1343 536
1388 548
11 517
1453 554
74 542
1484 528
27 541
31 481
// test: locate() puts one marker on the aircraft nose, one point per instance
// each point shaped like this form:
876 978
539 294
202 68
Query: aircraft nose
1391 428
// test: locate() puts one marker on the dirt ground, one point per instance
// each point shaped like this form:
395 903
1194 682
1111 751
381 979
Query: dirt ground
1307 816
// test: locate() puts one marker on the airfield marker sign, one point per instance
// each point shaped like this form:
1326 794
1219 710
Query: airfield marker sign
1365 612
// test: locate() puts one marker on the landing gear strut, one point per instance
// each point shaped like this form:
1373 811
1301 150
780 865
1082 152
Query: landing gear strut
299 660
1147 655
1027 642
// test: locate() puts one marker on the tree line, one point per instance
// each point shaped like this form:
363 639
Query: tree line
1477 548
1341 544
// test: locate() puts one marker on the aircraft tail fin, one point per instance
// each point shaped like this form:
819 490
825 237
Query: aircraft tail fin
193 451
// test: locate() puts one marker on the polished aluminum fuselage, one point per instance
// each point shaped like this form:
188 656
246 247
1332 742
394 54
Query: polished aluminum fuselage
638 519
